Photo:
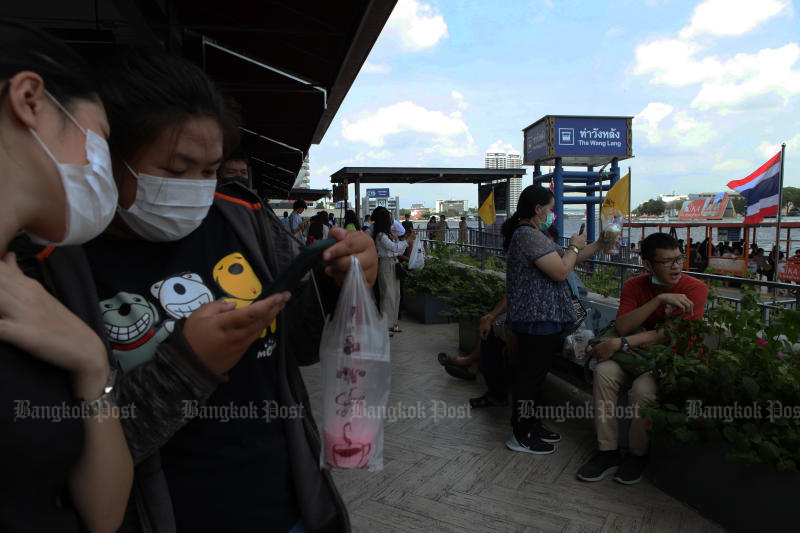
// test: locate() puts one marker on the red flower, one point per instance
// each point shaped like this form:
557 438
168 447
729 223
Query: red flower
761 342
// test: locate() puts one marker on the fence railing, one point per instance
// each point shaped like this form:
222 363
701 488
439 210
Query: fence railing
619 266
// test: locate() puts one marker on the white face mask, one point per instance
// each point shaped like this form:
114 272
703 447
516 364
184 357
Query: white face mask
90 189
168 209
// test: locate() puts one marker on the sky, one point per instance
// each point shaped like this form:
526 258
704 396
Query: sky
714 87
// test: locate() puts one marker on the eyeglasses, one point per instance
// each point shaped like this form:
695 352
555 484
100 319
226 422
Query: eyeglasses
680 260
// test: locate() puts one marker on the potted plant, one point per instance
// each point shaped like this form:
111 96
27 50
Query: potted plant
726 425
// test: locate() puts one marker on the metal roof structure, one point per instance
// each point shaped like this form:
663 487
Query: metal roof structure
287 63
412 175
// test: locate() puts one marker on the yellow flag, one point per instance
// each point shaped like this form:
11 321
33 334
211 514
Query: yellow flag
618 202
486 212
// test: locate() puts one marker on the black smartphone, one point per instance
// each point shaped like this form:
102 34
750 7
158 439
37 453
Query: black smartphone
300 265
583 227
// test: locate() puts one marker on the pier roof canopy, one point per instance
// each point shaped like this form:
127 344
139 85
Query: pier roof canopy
288 64
424 175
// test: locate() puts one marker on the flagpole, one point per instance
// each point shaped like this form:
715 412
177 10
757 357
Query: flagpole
629 211
778 225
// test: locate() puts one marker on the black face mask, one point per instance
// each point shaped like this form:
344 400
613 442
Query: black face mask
240 179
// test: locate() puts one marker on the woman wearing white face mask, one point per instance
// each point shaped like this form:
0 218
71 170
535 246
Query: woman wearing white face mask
539 308
172 262
64 463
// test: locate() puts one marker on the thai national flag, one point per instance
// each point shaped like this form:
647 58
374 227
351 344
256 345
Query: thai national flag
761 190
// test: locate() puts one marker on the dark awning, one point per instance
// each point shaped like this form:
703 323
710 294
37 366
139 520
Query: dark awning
423 175
288 63
309 195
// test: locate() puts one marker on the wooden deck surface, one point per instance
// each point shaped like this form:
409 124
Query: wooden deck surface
456 475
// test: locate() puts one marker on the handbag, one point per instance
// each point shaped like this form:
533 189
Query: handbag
580 311
400 271
635 361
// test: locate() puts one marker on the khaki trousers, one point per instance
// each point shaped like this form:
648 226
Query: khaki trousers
608 378
389 286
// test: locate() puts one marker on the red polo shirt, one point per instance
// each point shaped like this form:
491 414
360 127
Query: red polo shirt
639 290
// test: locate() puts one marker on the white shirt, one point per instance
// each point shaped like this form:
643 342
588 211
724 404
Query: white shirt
398 229
387 247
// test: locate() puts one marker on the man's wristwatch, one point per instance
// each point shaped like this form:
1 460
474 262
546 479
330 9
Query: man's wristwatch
625 344
574 249
104 401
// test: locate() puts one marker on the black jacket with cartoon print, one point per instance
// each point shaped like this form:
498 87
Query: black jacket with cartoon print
160 386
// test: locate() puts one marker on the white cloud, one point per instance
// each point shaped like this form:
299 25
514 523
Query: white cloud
748 76
765 79
450 134
732 165
612 32
416 25
767 149
730 17
672 62
648 119
660 125
459 98
691 133
375 68
500 146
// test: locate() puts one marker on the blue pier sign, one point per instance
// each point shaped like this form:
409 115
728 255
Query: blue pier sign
578 140
378 193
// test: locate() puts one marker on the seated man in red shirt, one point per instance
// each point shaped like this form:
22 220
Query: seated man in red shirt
646 301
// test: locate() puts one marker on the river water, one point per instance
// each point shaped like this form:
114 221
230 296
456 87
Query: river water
764 236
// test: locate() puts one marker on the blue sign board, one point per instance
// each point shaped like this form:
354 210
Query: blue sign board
378 193
536 142
591 136
578 140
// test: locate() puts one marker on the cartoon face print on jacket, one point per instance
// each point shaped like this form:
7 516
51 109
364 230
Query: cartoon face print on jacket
182 295
236 277
130 322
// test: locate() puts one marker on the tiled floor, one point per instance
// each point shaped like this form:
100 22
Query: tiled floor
455 474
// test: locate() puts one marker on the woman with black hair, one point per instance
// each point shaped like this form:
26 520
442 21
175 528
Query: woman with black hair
221 439
64 463
539 308
350 220
389 247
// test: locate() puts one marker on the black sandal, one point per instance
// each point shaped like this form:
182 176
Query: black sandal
460 372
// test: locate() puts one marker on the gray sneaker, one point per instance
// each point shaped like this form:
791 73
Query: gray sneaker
631 469
599 466
529 444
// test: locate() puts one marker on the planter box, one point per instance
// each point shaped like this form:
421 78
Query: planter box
467 334
426 308
739 497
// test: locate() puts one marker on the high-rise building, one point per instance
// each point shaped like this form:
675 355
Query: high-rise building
303 180
495 159
514 160
498 158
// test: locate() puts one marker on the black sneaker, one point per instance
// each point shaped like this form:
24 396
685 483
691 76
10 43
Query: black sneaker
530 444
599 466
545 434
631 469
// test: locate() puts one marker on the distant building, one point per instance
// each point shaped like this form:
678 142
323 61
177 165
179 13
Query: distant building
460 206
368 205
501 159
669 198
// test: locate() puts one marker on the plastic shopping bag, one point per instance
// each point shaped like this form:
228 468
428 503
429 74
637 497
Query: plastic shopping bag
356 377
416 260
